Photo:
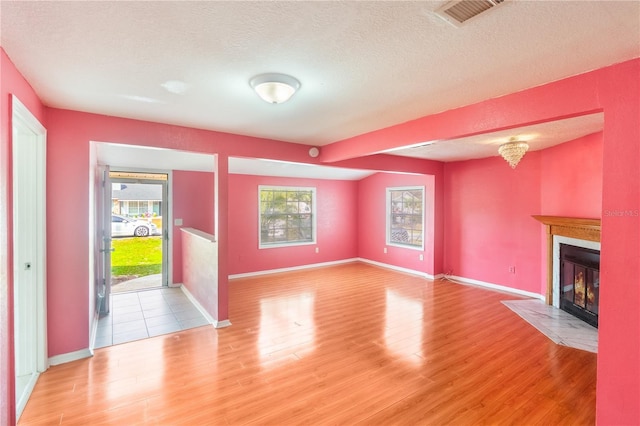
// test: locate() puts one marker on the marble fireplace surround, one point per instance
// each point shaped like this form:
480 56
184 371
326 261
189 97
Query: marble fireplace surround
578 232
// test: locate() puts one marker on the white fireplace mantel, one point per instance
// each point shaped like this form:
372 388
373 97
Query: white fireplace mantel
571 230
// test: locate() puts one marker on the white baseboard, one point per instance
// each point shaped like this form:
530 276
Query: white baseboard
221 324
71 356
462 280
197 304
337 262
94 332
22 402
203 311
293 268
498 287
400 269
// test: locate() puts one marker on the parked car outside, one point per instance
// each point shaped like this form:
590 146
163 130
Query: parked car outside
124 227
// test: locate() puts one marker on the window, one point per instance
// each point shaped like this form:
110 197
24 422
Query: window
287 216
136 208
405 218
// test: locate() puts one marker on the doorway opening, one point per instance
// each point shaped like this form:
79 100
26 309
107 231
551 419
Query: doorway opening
126 316
138 204
135 300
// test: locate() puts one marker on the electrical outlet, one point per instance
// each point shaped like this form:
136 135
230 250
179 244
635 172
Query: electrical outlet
512 269
421 257
317 249
384 250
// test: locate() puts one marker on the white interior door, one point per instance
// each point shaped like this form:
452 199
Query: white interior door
29 237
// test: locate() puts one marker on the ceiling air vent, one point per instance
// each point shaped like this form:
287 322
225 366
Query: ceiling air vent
459 12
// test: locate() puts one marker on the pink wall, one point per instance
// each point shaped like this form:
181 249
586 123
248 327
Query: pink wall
336 232
618 389
372 222
613 90
193 202
67 263
571 178
433 263
488 224
11 82
351 224
68 161
489 207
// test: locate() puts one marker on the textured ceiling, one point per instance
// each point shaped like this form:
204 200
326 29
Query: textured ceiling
129 157
362 65
540 136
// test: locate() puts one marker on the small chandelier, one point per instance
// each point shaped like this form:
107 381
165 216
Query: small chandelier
274 88
513 151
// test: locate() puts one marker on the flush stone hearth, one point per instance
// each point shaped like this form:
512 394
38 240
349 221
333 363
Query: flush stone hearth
559 326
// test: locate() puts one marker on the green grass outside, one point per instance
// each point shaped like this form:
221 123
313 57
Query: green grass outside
136 256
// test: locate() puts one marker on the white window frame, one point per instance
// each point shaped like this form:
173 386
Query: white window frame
313 213
388 215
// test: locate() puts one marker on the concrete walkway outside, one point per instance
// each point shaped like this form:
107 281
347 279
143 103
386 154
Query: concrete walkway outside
149 281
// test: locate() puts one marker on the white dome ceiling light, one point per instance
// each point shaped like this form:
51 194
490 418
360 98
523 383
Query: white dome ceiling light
274 88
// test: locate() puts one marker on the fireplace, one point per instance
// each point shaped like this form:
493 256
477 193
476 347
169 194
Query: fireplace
580 282
573 283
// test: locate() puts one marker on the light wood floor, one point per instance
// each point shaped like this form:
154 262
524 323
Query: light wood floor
350 344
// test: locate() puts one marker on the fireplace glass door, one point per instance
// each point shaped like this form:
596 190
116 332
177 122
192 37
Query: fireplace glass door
580 283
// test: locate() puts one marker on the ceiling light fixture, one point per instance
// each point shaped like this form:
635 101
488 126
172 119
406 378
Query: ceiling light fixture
513 151
274 88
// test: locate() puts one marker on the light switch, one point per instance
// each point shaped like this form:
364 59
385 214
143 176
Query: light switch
177 222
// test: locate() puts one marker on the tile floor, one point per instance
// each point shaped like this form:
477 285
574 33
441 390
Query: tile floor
141 283
558 325
147 313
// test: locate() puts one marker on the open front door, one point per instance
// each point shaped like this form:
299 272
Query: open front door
104 225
